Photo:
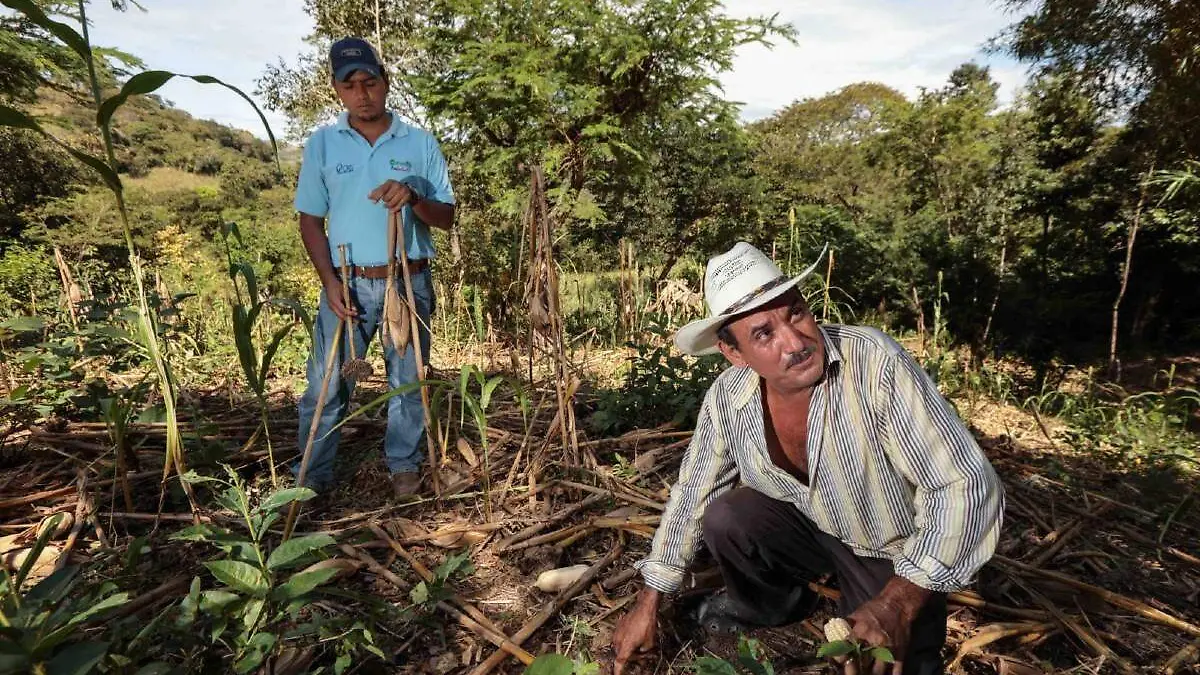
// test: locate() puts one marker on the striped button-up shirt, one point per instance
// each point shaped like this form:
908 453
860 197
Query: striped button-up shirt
893 471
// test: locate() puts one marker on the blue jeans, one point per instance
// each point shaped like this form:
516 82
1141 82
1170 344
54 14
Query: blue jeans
406 418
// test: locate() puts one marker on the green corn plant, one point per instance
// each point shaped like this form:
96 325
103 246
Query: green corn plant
478 409
117 412
477 406
263 589
142 83
43 627
862 654
750 660
247 310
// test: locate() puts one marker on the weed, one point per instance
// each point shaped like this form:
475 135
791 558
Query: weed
661 386
265 592
750 660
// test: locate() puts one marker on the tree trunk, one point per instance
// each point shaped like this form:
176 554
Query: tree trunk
1114 364
987 327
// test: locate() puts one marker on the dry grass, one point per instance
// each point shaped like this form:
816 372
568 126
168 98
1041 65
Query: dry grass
169 179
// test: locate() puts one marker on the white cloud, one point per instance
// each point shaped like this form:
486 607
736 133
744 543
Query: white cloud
906 44
232 40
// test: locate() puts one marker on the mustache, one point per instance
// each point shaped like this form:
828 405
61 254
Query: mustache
796 358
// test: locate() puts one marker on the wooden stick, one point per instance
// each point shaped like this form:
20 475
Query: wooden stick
164 590
550 537
1149 541
637 501
993 633
415 341
1085 635
179 517
506 645
81 512
428 576
59 492
1108 596
504 544
1182 659
330 359
554 607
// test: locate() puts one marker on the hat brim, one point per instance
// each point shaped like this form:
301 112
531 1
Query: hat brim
699 338
347 70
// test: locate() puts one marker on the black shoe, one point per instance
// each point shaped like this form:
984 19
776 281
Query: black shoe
720 615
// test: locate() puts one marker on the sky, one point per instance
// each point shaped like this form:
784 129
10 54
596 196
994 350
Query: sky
906 44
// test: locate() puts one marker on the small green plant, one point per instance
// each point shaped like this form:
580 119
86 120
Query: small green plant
557 664
265 592
117 412
750 660
478 406
661 386
43 627
247 313
863 654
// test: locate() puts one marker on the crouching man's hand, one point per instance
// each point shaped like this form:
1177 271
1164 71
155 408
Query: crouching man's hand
636 631
886 621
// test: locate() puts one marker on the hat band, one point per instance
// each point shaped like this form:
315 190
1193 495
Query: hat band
752 295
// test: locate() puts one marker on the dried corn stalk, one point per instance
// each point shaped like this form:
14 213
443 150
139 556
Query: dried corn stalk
395 324
541 292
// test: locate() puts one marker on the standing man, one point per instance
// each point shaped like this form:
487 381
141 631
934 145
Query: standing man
850 463
353 173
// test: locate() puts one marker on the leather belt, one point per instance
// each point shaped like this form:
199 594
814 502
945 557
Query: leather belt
381 271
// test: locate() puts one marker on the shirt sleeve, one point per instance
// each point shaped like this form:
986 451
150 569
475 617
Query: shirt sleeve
437 173
959 500
707 471
312 195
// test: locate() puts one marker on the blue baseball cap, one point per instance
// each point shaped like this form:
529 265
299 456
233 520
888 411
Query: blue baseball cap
350 54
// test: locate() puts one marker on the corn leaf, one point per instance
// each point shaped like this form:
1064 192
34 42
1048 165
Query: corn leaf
269 352
78 659
297 309
243 339
403 389
60 30
882 655
151 80
35 551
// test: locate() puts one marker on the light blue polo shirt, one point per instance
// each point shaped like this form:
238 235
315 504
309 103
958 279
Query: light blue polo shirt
340 168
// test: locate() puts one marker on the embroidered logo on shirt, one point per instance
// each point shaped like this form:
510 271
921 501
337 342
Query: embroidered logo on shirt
344 168
399 166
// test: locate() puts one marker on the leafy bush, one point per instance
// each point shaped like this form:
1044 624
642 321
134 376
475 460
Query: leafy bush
661 386
264 602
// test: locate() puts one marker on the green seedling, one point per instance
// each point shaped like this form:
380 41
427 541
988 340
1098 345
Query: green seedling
841 643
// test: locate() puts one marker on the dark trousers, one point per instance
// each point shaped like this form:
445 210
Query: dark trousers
768 551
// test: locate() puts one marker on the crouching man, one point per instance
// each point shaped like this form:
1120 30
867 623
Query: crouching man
849 462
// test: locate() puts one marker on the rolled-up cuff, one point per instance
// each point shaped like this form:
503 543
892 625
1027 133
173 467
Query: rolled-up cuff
929 573
661 577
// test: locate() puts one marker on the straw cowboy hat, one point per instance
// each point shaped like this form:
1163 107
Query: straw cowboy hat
736 282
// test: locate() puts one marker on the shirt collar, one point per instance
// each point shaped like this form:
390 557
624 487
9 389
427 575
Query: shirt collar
398 127
746 383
